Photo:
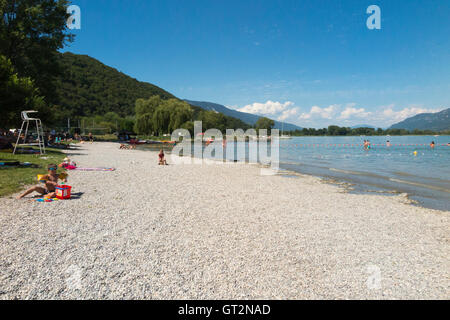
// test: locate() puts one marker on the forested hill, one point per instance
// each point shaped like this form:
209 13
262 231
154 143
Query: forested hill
439 121
88 87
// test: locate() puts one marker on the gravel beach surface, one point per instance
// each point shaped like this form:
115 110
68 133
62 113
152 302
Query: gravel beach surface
212 231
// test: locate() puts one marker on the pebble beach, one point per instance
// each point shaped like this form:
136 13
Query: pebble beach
217 231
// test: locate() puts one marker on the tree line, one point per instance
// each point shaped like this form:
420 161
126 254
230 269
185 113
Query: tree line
345 131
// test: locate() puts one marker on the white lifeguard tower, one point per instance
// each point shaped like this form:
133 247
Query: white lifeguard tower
40 132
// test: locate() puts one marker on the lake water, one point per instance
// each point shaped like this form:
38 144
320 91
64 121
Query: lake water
424 176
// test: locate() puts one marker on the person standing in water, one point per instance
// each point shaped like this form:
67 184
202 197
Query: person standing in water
432 145
366 144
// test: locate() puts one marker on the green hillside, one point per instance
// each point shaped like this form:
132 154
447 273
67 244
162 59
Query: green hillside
96 93
439 121
88 87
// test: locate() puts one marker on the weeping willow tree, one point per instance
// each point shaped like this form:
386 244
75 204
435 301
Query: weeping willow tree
156 116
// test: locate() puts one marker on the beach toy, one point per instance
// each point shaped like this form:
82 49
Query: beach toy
63 176
41 178
47 199
63 192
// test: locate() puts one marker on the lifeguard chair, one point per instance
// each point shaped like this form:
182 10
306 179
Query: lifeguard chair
26 119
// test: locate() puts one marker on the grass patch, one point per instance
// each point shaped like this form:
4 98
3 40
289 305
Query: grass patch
106 138
13 179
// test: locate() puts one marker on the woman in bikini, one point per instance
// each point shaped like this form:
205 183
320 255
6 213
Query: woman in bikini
162 159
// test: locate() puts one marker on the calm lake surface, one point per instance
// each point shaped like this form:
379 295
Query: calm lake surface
424 176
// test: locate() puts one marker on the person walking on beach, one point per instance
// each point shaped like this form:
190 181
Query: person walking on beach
91 137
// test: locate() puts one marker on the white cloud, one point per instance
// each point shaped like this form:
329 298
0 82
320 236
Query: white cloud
317 112
267 108
338 114
352 112
287 114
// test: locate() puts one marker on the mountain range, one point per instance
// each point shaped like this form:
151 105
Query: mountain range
439 121
246 117
89 87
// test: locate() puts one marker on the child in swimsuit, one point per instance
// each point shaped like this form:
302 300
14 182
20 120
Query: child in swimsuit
51 181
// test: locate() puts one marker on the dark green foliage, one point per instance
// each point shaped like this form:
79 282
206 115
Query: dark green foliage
109 123
31 32
156 116
16 94
264 123
87 87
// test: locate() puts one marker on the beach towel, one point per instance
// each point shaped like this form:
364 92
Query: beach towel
94 169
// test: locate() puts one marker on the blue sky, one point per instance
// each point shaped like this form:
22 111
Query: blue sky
308 62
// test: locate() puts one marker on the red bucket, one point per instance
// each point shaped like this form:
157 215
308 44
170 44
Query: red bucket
63 192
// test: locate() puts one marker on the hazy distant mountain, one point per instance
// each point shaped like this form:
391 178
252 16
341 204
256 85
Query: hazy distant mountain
246 117
438 121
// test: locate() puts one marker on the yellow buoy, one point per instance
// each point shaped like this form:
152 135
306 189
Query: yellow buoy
415 153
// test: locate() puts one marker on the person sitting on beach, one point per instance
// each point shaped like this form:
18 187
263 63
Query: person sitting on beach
68 164
51 182
162 159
